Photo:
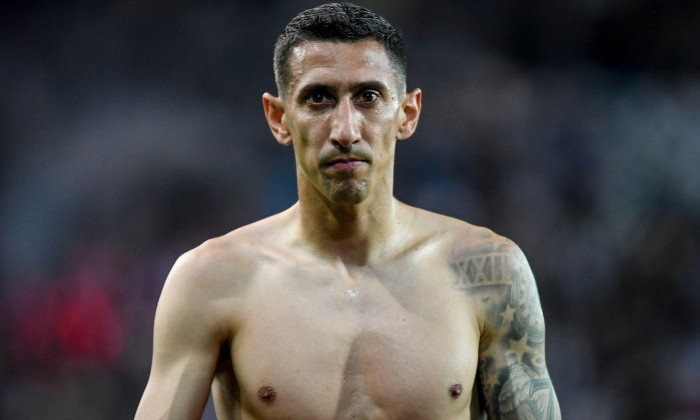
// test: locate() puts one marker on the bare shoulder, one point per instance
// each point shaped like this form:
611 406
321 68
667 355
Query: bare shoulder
481 258
485 266
217 264
219 269
493 270
459 238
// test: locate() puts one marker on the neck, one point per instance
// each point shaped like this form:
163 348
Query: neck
355 233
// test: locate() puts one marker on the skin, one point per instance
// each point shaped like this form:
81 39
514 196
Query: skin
349 304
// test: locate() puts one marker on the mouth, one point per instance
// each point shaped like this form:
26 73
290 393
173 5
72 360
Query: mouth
345 163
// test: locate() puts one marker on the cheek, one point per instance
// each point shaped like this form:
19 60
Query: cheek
385 122
309 136
384 132
310 131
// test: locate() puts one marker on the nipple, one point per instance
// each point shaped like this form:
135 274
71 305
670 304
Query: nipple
267 394
455 391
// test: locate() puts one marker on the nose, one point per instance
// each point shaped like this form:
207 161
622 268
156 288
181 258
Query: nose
345 129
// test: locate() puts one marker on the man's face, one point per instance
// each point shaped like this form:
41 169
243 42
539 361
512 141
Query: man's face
343 110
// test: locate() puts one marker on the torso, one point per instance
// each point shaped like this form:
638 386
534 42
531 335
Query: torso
316 339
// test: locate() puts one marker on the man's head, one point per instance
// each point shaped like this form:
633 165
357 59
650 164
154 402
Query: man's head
337 22
342 103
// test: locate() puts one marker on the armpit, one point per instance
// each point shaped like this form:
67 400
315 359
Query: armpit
224 362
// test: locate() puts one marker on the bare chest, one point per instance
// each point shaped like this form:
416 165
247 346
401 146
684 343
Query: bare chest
327 342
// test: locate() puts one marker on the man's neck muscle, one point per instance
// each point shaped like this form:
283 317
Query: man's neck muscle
357 233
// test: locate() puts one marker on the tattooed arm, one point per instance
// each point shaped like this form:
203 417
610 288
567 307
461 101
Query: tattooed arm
512 374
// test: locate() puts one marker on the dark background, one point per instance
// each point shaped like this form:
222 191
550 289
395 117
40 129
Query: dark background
132 131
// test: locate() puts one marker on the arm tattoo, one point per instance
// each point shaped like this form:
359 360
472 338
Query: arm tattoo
512 373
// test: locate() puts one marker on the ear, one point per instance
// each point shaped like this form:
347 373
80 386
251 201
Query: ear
410 112
274 113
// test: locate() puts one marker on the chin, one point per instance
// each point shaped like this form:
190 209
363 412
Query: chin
349 194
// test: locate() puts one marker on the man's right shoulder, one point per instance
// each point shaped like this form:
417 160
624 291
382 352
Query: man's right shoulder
221 264
208 282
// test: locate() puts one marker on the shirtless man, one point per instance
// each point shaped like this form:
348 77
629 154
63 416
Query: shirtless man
350 304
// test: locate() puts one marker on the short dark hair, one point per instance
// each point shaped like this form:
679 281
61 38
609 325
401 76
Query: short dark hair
337 22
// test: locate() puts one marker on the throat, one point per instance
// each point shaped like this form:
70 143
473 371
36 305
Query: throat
356 234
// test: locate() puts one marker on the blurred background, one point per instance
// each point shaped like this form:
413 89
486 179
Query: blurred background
132 131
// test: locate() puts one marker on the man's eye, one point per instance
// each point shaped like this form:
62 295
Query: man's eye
368 97
317 98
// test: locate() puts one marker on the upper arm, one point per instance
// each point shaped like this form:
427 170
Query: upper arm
512 373
186 342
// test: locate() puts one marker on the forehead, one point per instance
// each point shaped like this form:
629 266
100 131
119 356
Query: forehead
339 63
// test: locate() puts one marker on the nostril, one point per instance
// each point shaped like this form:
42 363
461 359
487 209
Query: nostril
342 147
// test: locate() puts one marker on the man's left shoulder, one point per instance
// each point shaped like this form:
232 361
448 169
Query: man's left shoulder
464 239
480 258
477 256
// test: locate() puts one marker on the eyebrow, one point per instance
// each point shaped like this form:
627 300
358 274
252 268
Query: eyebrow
369 84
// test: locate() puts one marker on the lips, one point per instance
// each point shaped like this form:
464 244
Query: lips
345 164
348 162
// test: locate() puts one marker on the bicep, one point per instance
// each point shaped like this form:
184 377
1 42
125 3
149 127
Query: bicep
513 377
186 345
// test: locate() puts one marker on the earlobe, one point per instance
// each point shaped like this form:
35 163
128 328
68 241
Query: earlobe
274 114
411 112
